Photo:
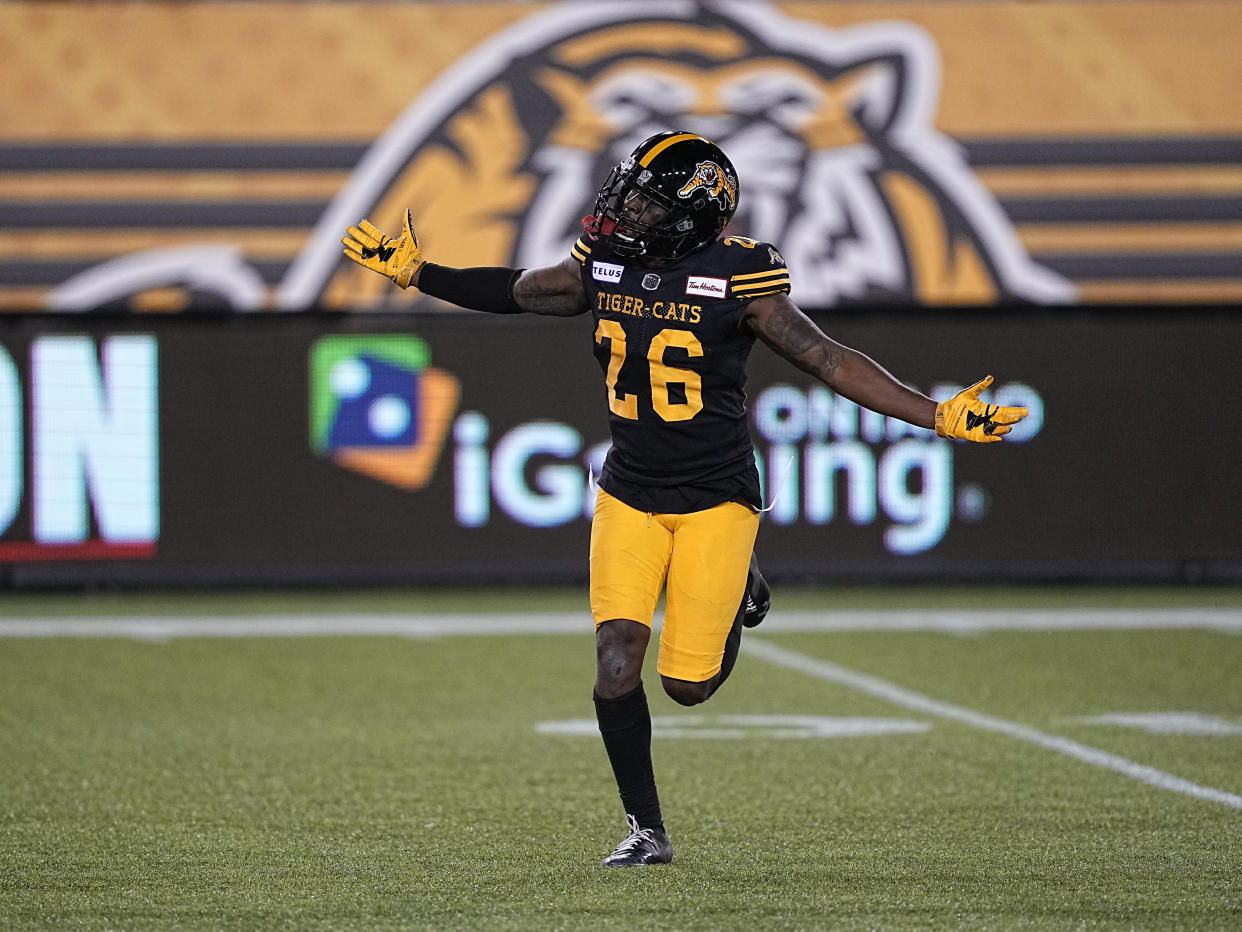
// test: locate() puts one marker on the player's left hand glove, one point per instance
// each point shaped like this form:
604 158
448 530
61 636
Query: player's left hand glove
398 259
966 417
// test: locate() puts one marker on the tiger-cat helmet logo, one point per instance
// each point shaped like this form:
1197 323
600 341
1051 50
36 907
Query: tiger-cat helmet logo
715 181
830 130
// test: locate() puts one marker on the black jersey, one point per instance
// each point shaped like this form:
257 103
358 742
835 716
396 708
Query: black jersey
673 350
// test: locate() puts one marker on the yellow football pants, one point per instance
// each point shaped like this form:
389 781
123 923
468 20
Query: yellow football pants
702 556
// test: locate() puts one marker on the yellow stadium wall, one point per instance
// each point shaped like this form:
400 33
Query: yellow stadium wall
1100 142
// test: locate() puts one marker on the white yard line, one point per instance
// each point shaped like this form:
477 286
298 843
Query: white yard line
951 622
410 625
159 628
917 701
973 621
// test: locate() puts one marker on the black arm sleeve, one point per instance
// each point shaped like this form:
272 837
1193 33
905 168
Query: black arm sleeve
480 289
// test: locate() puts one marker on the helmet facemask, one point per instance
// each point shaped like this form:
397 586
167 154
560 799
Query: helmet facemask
672 196
641 222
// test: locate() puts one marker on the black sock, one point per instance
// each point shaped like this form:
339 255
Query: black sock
625 725
733 644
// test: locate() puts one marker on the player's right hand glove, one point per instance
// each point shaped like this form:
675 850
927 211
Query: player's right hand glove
398 259
966 417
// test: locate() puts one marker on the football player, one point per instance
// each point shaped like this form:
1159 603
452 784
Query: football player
677 308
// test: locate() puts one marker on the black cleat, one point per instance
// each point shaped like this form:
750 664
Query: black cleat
641 846
758 595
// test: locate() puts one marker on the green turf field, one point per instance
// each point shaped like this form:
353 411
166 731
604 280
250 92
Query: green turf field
338 782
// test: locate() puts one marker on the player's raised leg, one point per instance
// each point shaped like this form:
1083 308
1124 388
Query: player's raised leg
706 599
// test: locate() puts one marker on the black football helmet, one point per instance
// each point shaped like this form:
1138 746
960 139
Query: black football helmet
673 194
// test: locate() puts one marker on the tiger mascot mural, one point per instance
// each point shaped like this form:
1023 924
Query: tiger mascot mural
831 132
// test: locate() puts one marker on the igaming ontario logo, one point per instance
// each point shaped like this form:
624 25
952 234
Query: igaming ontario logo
378 407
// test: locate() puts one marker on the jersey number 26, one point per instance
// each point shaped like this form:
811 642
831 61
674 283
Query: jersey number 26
626 405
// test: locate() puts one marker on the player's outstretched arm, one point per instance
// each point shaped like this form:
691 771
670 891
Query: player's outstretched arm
779 323
555 290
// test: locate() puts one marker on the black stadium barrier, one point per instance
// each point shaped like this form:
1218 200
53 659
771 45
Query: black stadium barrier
333 448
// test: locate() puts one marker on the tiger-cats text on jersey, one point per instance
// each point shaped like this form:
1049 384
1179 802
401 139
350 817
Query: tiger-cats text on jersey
673 349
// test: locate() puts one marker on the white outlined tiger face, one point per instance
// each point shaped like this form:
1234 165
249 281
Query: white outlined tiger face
833 144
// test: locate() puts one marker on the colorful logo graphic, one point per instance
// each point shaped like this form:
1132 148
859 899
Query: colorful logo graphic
377 406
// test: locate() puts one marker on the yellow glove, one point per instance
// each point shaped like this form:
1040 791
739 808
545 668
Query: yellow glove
965 416
398 259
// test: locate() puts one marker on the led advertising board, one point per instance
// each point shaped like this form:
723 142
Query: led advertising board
327 448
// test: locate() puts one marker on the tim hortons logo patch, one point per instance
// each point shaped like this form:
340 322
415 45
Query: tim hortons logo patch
706 287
